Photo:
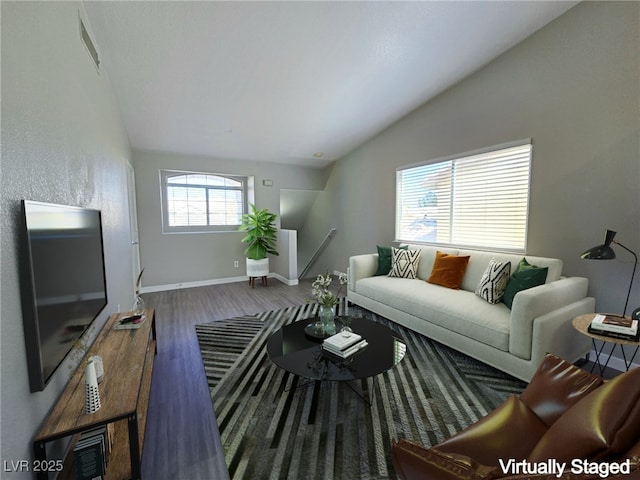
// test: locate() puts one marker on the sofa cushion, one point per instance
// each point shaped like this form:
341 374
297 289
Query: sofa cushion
384 259
511 431
456 310
556 386
404 263
494 281
601 426
415 462
526 276
448 270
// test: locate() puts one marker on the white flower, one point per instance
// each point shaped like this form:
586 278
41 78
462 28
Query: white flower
320 289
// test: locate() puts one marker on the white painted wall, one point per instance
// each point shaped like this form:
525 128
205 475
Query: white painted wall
285 266
205 258
62 142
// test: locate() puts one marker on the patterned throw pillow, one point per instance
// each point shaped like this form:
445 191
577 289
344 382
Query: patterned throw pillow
494 280
404 263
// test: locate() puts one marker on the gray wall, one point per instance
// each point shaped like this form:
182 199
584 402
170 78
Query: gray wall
574 88
193 258
62 142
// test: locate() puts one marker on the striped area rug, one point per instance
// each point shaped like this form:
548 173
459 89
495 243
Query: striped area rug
265 416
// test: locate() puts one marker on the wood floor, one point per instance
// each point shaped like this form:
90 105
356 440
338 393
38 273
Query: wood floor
182 440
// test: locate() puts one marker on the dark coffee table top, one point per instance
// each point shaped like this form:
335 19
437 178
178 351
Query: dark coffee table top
290 349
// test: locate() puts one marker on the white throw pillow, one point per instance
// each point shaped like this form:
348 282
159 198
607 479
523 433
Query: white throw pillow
404 263
494 280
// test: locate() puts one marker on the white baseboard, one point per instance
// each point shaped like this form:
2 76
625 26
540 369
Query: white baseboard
614 362
199 283
289 282
216 281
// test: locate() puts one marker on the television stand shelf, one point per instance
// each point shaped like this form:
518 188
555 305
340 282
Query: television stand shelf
127 357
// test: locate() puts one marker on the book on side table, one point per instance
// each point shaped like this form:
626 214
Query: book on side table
616 327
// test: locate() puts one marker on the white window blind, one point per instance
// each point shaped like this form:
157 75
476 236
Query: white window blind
474 200
202 202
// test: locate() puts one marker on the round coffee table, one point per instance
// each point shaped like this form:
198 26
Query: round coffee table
295 352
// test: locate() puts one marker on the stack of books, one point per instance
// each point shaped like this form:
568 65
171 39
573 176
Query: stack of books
344 344
91 453
617 327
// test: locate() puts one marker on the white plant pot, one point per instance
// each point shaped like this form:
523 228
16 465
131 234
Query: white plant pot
257 268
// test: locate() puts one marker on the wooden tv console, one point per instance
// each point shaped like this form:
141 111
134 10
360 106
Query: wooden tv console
127 357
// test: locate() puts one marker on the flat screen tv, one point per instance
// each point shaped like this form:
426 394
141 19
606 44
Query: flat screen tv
63 282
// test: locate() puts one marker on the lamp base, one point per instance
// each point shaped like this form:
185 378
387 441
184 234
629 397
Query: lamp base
636 314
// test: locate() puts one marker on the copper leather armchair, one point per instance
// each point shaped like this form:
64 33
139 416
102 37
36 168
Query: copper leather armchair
565 418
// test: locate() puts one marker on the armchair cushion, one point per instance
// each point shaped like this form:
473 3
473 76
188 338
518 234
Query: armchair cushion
556 386
601 426
415 462
510 431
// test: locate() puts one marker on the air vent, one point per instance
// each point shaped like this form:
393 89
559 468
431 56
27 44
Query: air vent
88 43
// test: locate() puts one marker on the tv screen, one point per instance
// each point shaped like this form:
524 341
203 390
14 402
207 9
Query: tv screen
64 283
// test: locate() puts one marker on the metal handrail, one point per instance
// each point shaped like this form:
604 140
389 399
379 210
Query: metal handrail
320 249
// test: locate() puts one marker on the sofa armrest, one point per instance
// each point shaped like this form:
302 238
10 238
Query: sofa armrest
554 333
538 301
362 266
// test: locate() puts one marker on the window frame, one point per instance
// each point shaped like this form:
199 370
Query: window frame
246 189
465 157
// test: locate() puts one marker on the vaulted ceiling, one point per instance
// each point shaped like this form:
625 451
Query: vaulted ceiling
292 82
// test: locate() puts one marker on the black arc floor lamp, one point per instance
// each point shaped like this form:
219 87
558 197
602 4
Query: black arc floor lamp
605 252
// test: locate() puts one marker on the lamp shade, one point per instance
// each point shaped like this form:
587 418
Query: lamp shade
605 252
602 252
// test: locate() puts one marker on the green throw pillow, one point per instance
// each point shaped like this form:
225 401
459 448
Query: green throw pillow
384 259
525 276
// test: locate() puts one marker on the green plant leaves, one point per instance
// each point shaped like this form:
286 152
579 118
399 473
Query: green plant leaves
261 233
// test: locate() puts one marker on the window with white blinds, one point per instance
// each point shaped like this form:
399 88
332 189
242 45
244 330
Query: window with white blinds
479 199
196 202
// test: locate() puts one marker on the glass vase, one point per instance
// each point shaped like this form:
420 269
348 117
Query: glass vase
327 320
346 324
138 306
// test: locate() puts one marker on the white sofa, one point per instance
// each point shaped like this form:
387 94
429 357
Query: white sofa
513 340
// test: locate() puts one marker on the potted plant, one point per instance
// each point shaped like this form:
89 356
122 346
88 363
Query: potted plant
261 237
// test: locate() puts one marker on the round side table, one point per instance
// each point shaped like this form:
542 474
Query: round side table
582 322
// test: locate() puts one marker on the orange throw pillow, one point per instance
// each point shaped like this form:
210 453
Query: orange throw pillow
448 270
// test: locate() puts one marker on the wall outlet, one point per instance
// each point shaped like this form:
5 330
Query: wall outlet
236 264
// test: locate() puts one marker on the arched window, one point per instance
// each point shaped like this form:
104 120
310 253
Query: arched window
194 202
